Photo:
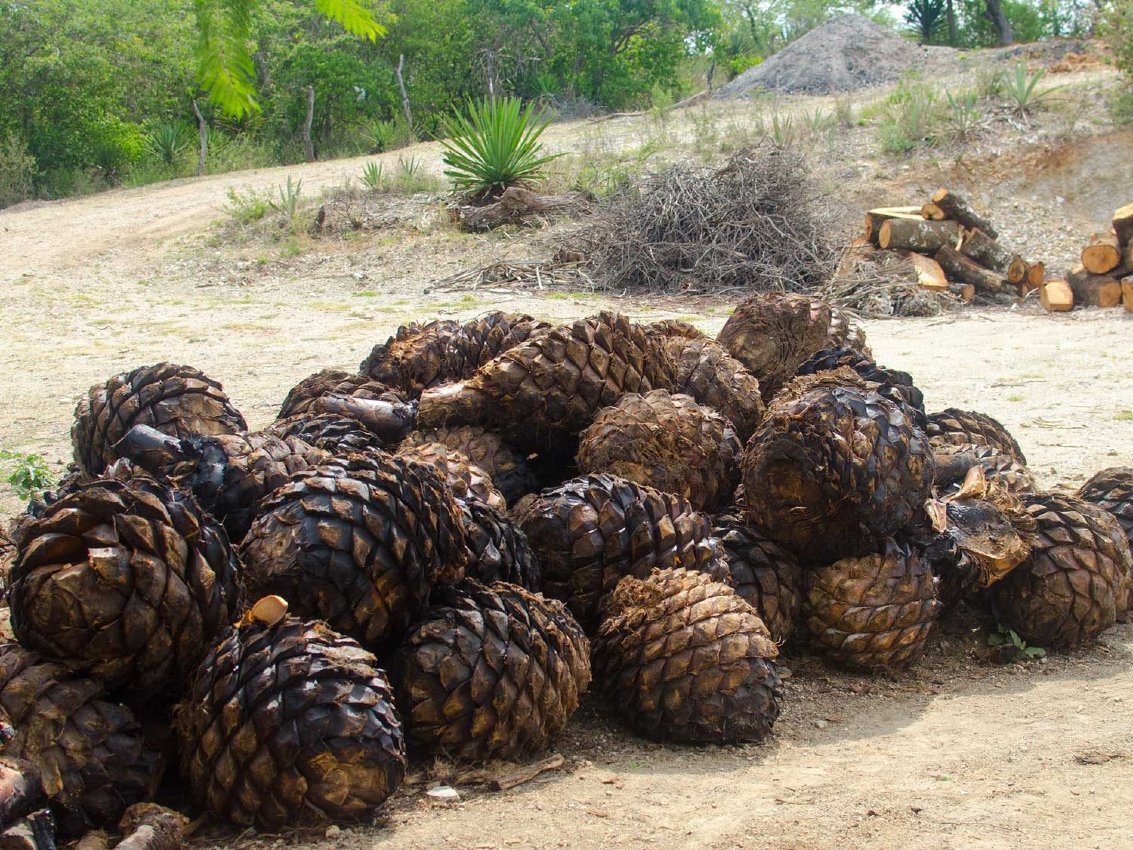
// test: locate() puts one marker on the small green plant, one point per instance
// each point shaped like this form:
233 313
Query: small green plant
17 171
494 144
964 114
989 83
29 475
288 205
168 142
818 121
387 135
782 131
909 116
1022 89
1124 416
1011 647
372 176
246 207
844 112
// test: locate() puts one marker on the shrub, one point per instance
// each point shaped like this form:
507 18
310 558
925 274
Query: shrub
17 171
1117 25
494 146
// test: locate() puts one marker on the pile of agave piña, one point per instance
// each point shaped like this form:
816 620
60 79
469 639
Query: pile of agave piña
442 553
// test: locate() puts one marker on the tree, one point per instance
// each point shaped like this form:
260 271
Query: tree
224 62
998 17
926 17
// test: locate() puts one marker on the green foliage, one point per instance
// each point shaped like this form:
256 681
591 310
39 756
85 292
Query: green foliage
1021 89
1117 28
169 140
28 473
225 67
926 19
1010 640
17 171
910 113
372 176
493 145
247 207
964 113
288 204
782 131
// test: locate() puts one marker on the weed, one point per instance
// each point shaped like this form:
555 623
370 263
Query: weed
1124 416
964 113
844 112
247 207
782 131
819 121
909 117
1010 640
29 475
989 83
365 293
1016 397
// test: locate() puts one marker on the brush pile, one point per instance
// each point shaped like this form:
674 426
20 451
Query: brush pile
440 556
754 225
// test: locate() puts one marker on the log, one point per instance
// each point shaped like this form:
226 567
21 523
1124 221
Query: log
1127 293
924 237
1036 275
1095 290
391 421
929 273
1056 296
1103 254
515 206
1017 270
877 217
964 291
1123 224
35 832
959 209
1127 258
149 826
962 269
932 212
987 252
96 839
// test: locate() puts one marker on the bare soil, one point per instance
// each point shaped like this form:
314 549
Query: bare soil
956 753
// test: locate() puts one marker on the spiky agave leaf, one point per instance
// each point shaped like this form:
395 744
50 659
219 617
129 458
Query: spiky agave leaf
493 145
490 672
681 657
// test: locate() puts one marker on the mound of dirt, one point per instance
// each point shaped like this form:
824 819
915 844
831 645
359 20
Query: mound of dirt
850 52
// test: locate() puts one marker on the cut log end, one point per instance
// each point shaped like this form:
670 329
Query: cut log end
1102 254
1056 296
1127 294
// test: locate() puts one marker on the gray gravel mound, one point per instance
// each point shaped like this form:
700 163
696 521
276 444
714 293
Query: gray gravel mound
849 52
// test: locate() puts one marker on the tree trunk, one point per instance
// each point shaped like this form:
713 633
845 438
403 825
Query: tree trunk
308 145
924 237
953 32
959 209
203 131
998 17
963 270
405 96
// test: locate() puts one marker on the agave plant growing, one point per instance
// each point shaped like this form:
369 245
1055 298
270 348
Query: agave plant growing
372 176
494 145
168 142
1022 89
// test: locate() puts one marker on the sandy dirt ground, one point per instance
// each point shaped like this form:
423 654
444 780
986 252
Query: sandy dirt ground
956 754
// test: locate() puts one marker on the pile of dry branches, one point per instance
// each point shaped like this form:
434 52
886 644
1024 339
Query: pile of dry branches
882 283
756 224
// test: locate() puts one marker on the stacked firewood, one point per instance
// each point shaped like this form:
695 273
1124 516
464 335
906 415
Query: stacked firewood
953 249
1104 275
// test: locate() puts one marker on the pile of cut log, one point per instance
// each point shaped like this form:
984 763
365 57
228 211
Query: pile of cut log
953 249
1104 276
